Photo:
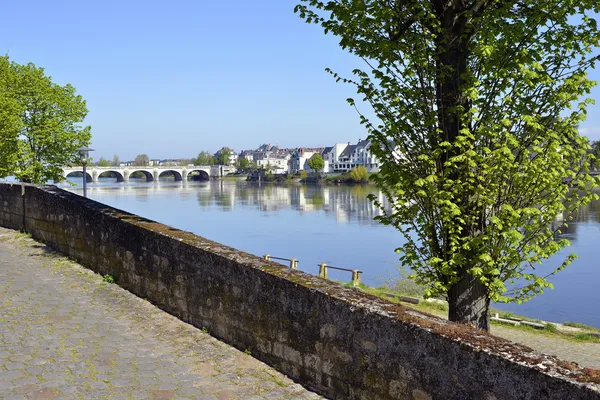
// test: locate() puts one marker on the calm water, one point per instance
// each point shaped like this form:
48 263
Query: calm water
335 225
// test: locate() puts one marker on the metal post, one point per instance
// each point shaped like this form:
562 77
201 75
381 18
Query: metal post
293 263
84 180
323 271
355 277
267 257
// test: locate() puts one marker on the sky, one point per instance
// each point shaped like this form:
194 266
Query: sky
172 78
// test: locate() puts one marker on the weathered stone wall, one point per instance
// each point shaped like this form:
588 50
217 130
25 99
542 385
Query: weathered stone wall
336 340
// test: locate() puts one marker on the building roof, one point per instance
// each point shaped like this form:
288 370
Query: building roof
327 150
348 150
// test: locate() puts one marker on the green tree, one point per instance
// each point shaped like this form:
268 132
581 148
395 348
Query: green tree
141 160
316 162
46 116
478 103
243 163
103 163
224 156
204 158
10 123
359 174
115 161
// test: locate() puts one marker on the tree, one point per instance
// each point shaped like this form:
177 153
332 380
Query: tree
224 156
204 158
141 160
316 162
116 161
39 118
10 123
478 103
103 163
243 163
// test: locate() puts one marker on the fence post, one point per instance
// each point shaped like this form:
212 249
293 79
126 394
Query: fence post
293 263
323 271
267 257
355 277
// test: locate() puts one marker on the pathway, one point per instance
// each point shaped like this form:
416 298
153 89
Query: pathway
64 333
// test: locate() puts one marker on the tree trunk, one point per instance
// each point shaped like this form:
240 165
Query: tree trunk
468 298
469 303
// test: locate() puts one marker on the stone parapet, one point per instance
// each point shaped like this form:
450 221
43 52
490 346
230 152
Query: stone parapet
336 340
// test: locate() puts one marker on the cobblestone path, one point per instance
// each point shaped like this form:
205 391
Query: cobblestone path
585 354
66 334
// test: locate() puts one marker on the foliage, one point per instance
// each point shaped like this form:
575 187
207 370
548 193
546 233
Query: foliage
39 120
359 174
108 278
479 103
141 160
204 158
316 162
224 156
303 175
595 152
10 123
115 161
103 163
243 163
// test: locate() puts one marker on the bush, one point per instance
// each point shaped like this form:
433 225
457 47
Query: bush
359 174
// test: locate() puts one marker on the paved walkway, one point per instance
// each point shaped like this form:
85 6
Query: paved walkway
585 354
64 333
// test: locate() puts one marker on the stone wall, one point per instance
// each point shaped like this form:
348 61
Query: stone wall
335 340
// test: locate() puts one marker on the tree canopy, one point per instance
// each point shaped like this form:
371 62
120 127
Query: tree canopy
477 105
204 158
141 160
39 123
224 156
316 162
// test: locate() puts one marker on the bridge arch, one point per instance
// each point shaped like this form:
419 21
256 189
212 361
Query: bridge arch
197 174
176 174
148 174
77 174
111 173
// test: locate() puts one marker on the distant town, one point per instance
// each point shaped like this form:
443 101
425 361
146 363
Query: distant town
339 158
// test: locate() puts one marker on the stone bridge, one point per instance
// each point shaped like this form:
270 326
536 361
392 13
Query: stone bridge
152 173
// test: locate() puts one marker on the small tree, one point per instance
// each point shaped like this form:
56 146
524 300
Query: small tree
243 163
39 123
204 158
316 162
116 161
479 103
103 163
224 156
141 160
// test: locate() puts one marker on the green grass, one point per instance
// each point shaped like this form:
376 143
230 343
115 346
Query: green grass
581 326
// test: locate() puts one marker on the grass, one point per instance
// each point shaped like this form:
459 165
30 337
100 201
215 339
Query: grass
581 326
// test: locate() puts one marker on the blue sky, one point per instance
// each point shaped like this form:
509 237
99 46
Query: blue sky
173 78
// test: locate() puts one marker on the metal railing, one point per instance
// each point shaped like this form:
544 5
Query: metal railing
293 261
324 272
323 268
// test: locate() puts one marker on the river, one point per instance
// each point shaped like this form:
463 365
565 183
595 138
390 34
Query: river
334 224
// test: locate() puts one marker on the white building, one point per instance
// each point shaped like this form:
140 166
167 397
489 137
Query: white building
343 158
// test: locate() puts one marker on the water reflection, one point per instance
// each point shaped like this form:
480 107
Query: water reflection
334 224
